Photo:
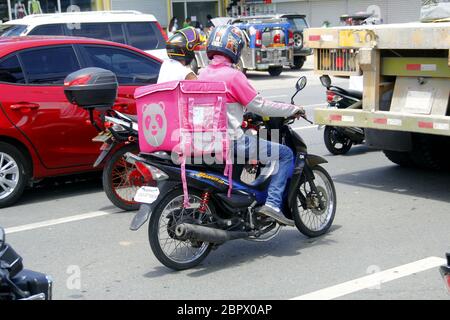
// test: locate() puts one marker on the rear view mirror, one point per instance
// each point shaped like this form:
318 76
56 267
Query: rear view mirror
326 81
2 238
301 83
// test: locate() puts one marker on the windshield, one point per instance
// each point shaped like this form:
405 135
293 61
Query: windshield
11 30
298 23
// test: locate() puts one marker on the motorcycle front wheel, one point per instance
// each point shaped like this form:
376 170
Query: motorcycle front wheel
314 211
169 213
336 142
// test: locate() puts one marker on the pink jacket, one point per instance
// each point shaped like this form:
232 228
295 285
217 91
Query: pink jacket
241 96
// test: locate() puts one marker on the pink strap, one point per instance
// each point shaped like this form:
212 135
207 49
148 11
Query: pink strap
228 165
186 147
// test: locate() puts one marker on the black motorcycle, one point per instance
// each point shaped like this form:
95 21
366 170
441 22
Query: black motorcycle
339 140
17 283
445 272
181 237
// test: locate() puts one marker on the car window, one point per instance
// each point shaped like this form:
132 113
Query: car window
11 30
49 65
10 70
117 33
90 30
129 67
47 29
298 23
145 36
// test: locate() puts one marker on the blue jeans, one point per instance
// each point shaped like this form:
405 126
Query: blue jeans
247 146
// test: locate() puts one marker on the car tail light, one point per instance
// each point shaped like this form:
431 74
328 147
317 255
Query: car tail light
78 81
447 281
277 38
291 38
162 31
258 42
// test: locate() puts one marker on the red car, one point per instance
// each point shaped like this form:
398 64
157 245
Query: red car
41 133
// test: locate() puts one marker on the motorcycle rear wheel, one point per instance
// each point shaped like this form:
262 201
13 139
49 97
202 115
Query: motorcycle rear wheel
121 180
171 252
312 221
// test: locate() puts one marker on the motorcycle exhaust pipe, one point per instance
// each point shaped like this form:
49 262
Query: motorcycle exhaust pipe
187 231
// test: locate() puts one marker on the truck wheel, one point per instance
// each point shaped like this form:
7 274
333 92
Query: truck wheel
403 159
14 174
422 154
336 142
298 63
275 71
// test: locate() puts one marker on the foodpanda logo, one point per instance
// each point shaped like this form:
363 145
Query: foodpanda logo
155 124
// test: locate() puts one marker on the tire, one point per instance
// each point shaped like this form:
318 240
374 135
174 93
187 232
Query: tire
300 222
15 175
403 159
423 154
298 40
194 66
332 138
275 71
299 62
154 228
117 171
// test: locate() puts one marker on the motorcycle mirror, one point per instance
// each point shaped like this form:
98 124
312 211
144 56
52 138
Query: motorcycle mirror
326 81
301 83
2 238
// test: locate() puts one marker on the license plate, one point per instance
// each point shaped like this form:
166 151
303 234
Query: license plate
102 137
146 195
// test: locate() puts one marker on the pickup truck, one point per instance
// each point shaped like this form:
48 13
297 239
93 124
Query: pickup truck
269 44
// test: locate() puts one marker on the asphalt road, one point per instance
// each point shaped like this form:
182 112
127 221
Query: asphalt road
390 224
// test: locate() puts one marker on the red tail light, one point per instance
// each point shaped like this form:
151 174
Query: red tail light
277 38
447 281
291 38
258 42
78 81
330 96
162 31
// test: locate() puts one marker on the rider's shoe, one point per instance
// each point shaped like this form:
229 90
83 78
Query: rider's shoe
274 214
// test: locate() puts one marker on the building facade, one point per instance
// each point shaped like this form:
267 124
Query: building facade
318 12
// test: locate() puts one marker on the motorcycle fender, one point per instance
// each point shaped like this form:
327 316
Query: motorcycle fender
145 210
313 160
103 155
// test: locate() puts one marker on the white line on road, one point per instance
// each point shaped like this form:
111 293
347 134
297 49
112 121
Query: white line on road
54 222
373 280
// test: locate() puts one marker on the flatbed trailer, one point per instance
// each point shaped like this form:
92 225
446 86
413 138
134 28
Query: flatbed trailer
406 75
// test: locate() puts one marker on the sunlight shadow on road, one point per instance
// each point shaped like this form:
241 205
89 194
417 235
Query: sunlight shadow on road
238 253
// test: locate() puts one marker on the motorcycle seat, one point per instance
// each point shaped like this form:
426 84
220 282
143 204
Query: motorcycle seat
352 93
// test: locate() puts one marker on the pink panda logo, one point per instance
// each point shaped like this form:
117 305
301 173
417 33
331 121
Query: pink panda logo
155 124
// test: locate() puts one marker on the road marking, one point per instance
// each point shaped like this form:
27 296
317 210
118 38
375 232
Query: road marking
54 222
373 280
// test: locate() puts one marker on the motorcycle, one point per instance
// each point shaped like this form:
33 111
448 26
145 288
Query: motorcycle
445 272
118 135
181 237
339 140
17 283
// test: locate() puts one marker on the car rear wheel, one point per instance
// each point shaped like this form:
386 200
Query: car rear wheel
14 174
275 71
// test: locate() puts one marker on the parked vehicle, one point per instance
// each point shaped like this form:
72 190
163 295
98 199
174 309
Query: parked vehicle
134 28
269 44
445 272
409 61
182 237
298 26
41 133
339 140
17 283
